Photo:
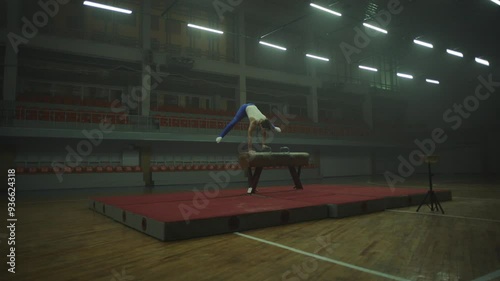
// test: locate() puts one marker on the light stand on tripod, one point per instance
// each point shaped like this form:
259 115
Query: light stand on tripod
433 204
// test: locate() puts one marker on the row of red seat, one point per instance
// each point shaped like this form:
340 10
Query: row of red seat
202 123
86 169
64 100
208 167
43 114
192 110
136 169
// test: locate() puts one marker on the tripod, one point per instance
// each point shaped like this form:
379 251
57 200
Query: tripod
433 200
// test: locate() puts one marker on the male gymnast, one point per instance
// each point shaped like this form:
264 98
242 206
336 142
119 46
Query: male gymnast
256 118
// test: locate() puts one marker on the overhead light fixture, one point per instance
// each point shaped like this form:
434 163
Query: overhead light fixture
454 53
496 2
272 45
375 28
407 76
316 57
432 81
205 28
326 10
481 61
368 68
106 7
422 43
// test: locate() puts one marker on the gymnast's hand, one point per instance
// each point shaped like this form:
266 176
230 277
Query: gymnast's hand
218 139
277 129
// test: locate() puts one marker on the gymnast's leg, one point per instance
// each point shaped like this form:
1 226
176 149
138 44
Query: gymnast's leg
239 116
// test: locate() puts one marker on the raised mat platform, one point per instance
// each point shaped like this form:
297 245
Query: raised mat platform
177 216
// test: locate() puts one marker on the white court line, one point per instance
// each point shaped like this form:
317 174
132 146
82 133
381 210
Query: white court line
373 272
488 277
440 215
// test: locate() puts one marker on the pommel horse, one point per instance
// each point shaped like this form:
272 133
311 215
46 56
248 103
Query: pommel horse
259 160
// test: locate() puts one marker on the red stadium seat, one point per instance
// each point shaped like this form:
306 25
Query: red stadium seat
45 115
70 116
99 169
174 122
165 122
59 116
84 117
45 170
89 169
32 114
68 170
20 113
79 169
137 169
155 168
163 168
20 170
97 117
109 169
179 167
119 169
202 123
184 123
32 170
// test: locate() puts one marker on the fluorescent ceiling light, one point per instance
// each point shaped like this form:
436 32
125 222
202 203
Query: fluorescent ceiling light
272 45
206 29
422 43
316 57
496 2
368 68
432 81
106 7
326 10
375 28
481 61
407 76
455 53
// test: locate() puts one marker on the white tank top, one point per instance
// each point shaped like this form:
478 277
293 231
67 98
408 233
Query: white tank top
254 113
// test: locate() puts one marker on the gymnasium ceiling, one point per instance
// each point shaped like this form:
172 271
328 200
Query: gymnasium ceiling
465 25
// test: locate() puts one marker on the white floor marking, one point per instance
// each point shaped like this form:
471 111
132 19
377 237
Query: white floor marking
355 267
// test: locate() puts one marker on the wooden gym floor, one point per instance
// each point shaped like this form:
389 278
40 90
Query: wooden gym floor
61 239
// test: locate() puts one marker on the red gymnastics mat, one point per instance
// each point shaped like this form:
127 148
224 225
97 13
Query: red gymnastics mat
184 215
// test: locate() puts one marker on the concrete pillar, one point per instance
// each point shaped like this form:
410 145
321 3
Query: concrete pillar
241 90
312 98
145 163
147 58
11 50
368 111
312 104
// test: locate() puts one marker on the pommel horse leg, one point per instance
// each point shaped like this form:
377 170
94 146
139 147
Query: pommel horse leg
295 176
253 179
